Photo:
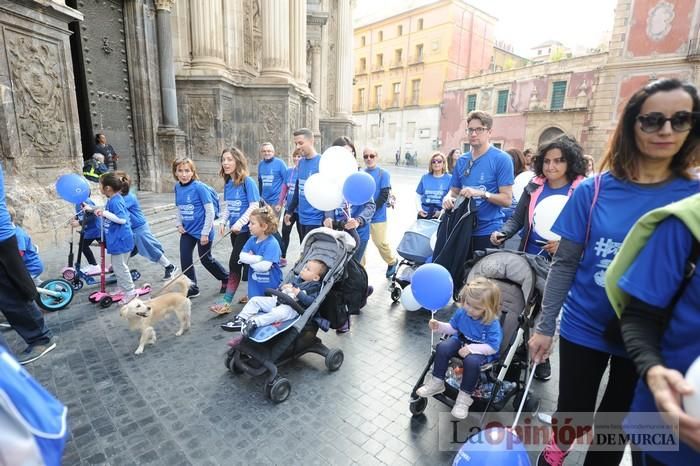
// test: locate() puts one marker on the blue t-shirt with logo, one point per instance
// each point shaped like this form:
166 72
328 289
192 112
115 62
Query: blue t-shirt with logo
30 256
7 229
135 212
654 277
308 214
382 180
476 331
432 189
291 180
93 224
269 249
119 237
532 247
587 312
355 211
489 172
238 198
271 174
190 200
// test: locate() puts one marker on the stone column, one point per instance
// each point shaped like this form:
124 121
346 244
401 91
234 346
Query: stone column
275 46
297 39
344 59
206 17
316 79
166 66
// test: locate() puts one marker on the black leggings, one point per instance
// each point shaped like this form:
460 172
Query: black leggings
87 252
287 232
580 373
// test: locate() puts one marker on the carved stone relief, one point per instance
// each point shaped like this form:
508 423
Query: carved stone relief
270 117
202 131
294 117
252 35
38 93
227 123
332 63
659 20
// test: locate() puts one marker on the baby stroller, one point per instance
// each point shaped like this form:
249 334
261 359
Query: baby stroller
505 378
293 338
415 250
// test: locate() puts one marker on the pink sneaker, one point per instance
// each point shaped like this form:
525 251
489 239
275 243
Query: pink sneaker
552 455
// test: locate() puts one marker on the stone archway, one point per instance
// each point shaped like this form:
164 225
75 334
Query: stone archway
549 134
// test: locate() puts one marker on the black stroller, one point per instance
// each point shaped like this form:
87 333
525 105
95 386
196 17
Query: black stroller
521 285
335 249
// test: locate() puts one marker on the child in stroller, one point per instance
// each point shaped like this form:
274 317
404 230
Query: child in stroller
475 335
265 310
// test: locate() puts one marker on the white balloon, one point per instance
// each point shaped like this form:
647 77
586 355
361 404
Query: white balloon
546 213
691 403
408 301
337 163
520 182
322 192
433 240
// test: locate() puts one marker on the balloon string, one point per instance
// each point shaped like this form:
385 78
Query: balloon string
432 333
346 211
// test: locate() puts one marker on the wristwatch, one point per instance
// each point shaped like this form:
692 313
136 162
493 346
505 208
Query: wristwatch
487 194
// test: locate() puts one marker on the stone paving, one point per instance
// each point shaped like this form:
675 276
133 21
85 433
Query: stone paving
176 404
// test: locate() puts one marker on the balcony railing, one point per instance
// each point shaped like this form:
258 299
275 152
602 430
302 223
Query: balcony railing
397 64
694 49
377 68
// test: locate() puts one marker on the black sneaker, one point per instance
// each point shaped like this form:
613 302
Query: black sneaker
169 271
193 292
233 326
249 327
543 371
34 352
222 290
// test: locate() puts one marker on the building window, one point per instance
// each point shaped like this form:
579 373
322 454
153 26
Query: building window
380 61
377 96
419 53
420 24
558 95
399 30
398 56
497 145
471 103
361 99
363 64
415 91
410 131
396 95
392 130
466 147
502 106
362 41
380 36
374 131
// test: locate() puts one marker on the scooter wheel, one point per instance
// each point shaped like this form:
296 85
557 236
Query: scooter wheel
77 284
69 274
106 301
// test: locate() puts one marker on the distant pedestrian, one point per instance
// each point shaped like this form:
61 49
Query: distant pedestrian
398 156
111 156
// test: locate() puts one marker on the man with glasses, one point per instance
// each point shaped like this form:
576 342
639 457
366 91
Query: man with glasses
309 216
486 175
271 173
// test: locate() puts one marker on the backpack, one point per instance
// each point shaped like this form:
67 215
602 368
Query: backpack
214 196
353 286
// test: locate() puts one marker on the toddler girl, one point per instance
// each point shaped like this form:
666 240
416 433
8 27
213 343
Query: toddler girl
262 252
119 238
475 336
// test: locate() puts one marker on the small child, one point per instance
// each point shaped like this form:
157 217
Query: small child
27 249
92 226
476 337
264 310
262 252
118 235
95 167
146 244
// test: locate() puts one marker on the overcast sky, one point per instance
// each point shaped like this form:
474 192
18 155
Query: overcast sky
522 23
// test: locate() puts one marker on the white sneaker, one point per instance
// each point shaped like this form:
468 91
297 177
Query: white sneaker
432 387
462 404
128 296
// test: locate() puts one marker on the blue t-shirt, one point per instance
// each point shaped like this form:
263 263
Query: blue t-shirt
271 174
119 237
190 200
30 256
355 211
432 189
291 180
489 172
270 250
308 215
93 224
238 198
476 331
532 247
382 180
654 277
587 311
7 229
135 213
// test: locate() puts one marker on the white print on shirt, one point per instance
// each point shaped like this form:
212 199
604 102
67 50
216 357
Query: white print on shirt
604 248
267 180
261 277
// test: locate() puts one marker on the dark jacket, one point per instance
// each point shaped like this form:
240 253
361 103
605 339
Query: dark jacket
453 245
308 291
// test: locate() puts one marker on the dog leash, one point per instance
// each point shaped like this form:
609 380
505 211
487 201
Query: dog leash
199 259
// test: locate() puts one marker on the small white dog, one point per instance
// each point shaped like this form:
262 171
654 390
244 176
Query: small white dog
143 315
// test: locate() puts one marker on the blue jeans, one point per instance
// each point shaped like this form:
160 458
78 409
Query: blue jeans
187 244
472 363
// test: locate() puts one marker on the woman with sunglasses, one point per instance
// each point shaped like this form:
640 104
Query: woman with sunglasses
650 160
432 187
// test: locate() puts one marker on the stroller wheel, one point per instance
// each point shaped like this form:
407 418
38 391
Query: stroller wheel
532 403
396 294
334 359
278 390
231 363
418 405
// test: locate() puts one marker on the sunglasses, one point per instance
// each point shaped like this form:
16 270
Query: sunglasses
369 156
468 170
655 121
436 161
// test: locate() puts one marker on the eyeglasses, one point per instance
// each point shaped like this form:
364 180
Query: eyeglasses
436 161
369 156
468 170
655 121
477 130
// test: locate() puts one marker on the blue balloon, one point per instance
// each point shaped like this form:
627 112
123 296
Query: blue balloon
73 188
490 447
432 286
359 188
